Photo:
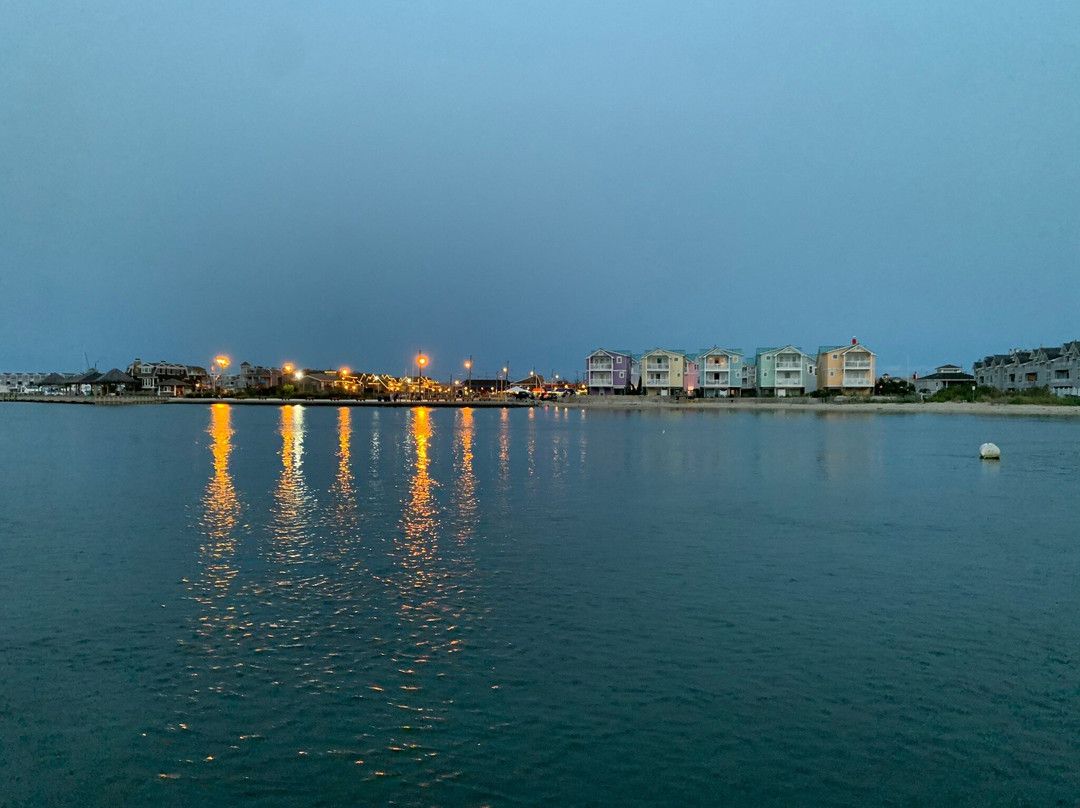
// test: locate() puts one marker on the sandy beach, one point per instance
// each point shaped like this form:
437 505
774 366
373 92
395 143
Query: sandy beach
813 405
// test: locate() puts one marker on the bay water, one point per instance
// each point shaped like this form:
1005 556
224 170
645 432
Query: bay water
281 606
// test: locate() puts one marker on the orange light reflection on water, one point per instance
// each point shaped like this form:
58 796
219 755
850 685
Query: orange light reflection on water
344 488
293 502
467 506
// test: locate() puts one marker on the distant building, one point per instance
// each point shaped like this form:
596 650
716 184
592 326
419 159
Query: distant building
1057 369
608 372
20 382
846 369
943 376
786 371
720 372
749 376
160 378
257 377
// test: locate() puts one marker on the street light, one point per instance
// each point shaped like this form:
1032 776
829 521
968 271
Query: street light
220 363
421 360
468 367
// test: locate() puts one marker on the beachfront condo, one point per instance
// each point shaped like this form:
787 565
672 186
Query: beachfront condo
608 372
720 372
846 369
785 372
667 373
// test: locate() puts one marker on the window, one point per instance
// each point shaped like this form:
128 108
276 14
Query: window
832 373
622 374
836 356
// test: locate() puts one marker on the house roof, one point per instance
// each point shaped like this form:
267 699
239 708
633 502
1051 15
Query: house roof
782 348
115 376
717 349
956 377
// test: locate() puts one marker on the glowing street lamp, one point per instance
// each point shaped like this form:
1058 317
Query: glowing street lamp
421 361
468 367
217 368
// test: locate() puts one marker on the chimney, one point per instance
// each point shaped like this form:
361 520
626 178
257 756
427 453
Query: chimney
854 341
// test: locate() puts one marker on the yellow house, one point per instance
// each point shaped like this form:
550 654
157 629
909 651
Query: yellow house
846 369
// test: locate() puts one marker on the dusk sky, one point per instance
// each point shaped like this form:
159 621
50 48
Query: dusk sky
347 183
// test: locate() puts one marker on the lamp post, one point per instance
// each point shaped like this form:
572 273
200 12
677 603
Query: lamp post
506 378
220 363
468 367
421 360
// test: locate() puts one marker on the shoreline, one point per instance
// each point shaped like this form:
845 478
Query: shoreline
819 406
612 404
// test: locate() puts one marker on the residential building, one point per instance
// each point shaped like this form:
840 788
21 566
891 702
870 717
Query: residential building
943 376
257 377
749 376
667 373
608 372
150 375
786 371
720 372
846 369
1056 369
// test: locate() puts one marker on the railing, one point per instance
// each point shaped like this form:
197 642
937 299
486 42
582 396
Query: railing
719 379
856 364
857 381
662 366
657 381
789 366
601 365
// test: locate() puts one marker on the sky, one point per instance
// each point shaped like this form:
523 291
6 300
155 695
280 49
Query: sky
351 183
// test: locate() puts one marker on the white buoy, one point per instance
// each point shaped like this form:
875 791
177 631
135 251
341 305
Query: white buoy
989 451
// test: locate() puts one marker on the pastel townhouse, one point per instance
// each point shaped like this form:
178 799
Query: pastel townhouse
846 369
667 373
785 372
720 372
608 372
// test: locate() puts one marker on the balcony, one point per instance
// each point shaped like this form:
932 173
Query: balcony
788 364
600 364
661 366
857 380
600 378
716 378
657 380
856 364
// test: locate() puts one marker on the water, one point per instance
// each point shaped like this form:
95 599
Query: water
323 606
